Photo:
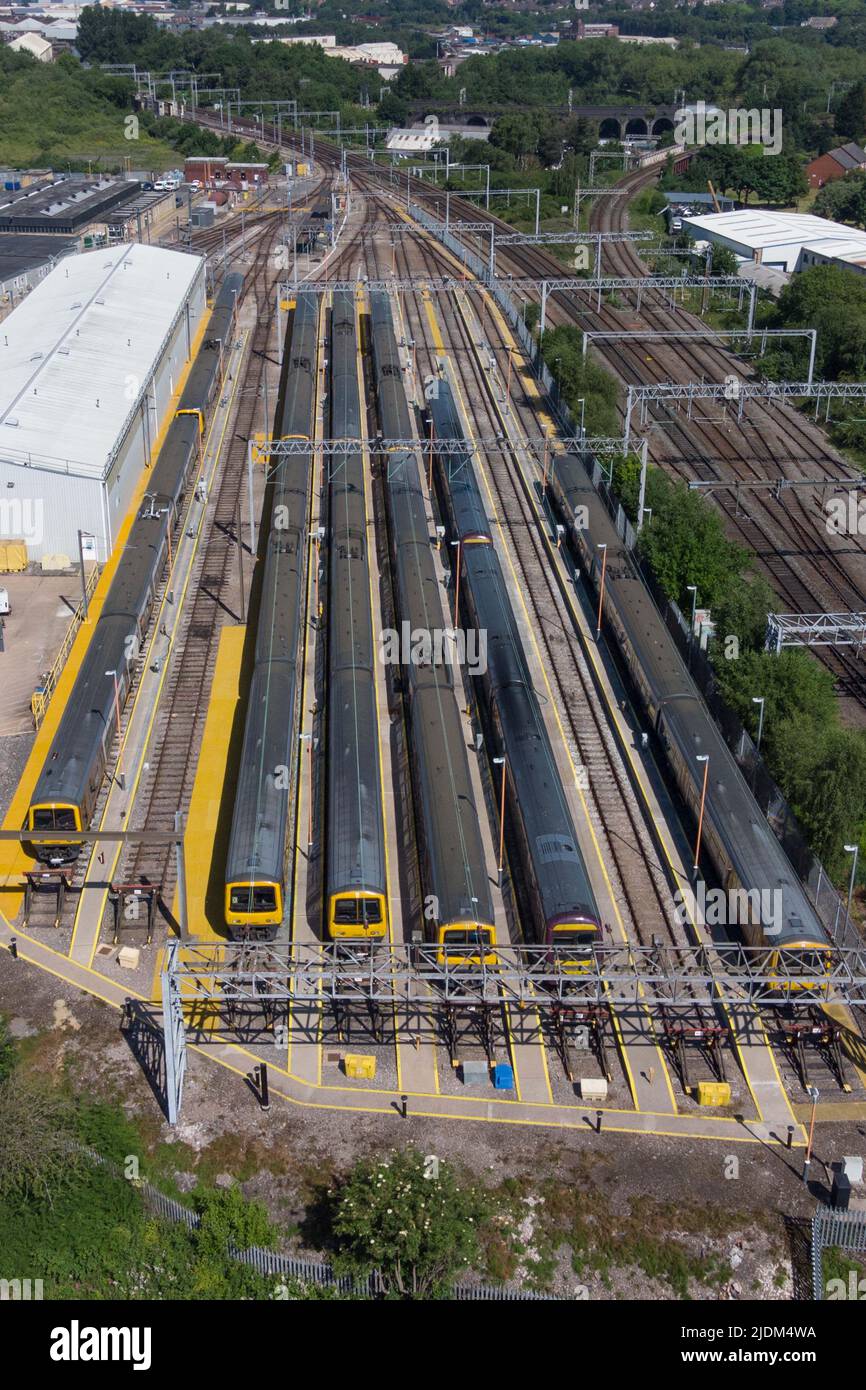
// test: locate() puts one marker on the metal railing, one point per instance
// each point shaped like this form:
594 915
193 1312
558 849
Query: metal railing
318 1272
40 698
843 1230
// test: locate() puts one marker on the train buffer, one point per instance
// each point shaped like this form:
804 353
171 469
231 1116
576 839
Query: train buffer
580 1030
698 1035
44 881
815 1035
480 1023
132 902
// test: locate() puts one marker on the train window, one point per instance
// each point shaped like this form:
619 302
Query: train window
260 897
353 911
54 818
803 962
583 939
471 936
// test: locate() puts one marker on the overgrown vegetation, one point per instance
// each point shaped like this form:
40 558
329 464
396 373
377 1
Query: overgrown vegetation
85 1231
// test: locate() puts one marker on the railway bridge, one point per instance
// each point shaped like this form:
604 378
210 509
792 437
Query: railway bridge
613 121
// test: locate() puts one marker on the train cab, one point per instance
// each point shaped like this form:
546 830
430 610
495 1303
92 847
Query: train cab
803 965
254 908
199 415
466 943
575 938
58 816
357 915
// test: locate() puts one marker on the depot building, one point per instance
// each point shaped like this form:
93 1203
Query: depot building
89 364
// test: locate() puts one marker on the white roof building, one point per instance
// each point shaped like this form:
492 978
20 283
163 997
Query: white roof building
787 240
89 363
418 140
33 44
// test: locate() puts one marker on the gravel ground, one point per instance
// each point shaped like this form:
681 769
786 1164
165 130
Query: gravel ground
746 1217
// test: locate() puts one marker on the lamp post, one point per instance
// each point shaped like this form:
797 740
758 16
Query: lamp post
582 403
705 759
813 1095
855 850
501 761
85 607
693 590
759 700
603 548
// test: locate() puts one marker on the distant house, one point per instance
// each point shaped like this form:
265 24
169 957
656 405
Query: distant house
835 164
820 22
33 44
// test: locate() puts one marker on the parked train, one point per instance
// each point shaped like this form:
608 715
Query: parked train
355 890
458 908
258 865
558 892
66 793
745 853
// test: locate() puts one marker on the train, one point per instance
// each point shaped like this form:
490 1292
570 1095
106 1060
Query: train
356 890
746 855
65 795
458 907
257 883
558 898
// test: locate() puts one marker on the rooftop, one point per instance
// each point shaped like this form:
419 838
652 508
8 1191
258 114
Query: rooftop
60 204
758 228
69 352
22 252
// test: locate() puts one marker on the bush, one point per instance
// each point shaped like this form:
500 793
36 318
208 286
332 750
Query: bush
417 1224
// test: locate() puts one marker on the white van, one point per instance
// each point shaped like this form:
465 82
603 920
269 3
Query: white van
5 606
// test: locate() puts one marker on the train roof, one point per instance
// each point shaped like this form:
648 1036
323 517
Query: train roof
96 322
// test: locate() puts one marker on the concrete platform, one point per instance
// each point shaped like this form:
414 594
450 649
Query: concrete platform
205 840
42 609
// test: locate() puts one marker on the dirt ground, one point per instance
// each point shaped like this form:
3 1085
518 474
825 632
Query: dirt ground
739 1213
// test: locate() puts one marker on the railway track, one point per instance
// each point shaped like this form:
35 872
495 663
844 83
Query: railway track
167 786
808 572
639 880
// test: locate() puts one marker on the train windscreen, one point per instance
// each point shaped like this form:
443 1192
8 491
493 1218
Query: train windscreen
353 911
471 936
54 818
260 897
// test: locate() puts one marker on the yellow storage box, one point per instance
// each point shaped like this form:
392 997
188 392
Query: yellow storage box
359 1067
713 1093
13 556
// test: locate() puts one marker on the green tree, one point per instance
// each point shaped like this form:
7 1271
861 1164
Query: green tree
741 611
417 1225
792 684
851 113
686 544
826 783
36 1135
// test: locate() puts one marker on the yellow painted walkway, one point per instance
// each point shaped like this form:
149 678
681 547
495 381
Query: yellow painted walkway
205 839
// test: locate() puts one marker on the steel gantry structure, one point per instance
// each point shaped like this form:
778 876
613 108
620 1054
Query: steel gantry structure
739 392
577 284
225 988
815 630
707 334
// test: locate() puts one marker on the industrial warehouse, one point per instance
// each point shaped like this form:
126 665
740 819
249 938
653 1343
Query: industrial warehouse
90 363
373 773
